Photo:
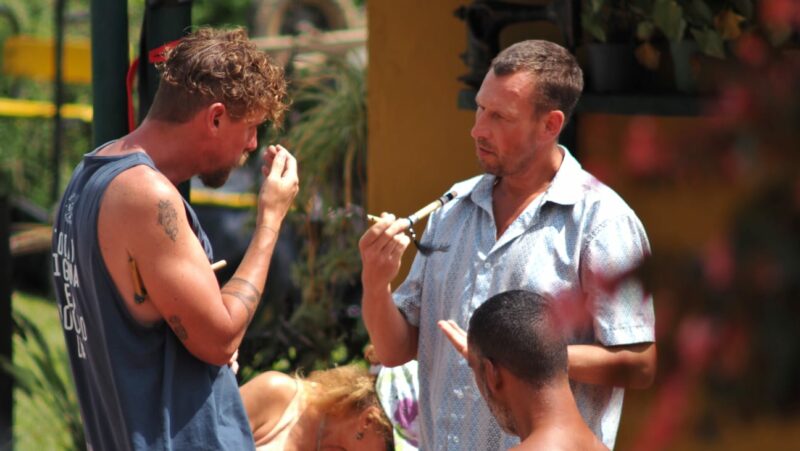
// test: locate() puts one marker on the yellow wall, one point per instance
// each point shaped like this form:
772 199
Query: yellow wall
419 142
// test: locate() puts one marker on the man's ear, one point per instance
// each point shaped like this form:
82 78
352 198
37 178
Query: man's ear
492 376
553 124
214 114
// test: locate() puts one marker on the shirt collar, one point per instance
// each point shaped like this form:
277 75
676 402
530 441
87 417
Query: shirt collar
482 193
565 188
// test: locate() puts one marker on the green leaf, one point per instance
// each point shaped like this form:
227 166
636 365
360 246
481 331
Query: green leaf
699 13
645 30
594 26
668 17
709 42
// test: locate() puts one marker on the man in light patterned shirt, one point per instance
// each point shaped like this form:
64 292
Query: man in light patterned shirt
535 221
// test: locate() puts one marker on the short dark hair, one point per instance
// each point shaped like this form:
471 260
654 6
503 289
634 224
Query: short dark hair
519 331
224 66
557 76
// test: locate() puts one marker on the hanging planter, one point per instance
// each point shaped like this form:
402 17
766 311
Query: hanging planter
610 25
684 62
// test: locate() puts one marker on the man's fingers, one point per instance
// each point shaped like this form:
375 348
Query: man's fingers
455 335
399 244
278 164
291 165
376 232
457 328
268 157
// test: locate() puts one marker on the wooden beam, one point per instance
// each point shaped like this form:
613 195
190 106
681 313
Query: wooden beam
336 41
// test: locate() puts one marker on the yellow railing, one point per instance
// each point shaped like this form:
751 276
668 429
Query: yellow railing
35 108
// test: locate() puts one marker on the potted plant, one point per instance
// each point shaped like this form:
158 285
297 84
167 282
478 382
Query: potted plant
610 26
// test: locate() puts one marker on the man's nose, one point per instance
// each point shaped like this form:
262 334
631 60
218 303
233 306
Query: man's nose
253 143
478 128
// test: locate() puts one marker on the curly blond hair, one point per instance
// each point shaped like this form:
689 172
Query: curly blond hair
348 390
210 66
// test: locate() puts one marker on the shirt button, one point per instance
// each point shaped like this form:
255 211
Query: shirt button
487 265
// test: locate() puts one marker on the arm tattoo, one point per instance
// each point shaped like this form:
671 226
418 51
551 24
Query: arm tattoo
245 292
177 327
168 218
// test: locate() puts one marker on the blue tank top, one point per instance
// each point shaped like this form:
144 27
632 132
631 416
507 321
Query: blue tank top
138 386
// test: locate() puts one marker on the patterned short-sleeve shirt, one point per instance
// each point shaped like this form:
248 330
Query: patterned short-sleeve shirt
565 245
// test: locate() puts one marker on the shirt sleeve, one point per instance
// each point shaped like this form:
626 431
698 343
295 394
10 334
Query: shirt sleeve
622 313
408 296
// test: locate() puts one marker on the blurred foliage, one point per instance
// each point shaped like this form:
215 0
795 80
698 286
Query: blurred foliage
227 13
45 384
327 132
28 142
727 324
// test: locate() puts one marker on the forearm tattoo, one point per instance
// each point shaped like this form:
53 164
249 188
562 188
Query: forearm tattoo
245 292
177 327
168 218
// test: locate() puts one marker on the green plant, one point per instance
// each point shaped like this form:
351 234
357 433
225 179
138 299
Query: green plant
709 22
327 133
46 382
611 20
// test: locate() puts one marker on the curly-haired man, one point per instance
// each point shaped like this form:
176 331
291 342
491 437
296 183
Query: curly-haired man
148 329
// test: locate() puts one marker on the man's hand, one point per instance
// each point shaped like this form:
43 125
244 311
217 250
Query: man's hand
456 335
279 187
234 362
382 247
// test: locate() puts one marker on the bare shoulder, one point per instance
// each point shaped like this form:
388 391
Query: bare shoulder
139 202
139 186
557 439
273 385
265 398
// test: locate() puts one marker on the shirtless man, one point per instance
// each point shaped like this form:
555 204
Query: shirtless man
518 356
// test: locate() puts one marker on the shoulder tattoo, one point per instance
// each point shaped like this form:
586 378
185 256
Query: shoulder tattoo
168 218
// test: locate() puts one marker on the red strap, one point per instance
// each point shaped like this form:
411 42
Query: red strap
153 56
157 54
129 88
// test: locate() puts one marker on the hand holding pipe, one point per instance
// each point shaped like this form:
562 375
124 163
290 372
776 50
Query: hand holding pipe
420 214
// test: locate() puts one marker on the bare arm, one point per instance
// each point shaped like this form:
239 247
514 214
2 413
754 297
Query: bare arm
180 283
629 366
632 366
382 248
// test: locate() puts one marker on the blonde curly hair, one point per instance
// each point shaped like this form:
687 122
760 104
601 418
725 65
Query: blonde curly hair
348 390
210 66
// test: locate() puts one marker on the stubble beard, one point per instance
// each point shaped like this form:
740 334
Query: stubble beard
494 168
215 179
501 413
218 178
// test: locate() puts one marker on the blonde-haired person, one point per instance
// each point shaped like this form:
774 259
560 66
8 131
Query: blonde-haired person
335 409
